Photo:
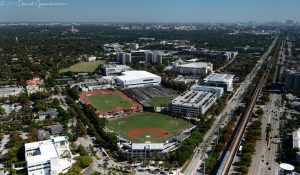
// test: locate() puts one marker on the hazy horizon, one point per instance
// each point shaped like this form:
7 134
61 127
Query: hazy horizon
154 11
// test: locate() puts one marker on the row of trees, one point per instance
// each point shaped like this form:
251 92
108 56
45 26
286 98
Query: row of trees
87 118
82 162
182 154
252 135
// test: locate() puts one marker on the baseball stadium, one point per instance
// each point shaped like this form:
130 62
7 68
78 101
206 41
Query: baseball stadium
146 133
110 102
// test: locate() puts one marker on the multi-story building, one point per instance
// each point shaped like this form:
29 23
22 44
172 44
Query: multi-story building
133 46
218 90
193 102
219 80
48 157
123 57
195 68
110 69
154 57
292 79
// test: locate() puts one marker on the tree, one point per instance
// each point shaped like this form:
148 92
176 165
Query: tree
2 111
40 106
81 150
260 111
84 161
55 103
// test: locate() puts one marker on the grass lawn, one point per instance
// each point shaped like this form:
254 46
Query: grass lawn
160 101
82 67
108 101
169 124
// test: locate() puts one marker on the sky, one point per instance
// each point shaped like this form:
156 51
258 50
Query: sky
148 10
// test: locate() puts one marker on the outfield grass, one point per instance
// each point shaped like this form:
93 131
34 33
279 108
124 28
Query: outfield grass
82 67
169 124
109 101
160 101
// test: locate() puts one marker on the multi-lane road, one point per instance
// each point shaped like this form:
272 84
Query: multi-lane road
264 158
201 150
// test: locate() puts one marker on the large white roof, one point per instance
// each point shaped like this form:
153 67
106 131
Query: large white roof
47 152
195 65
219 77
193 98
133 75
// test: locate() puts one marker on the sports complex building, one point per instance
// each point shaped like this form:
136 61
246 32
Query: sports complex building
148 134
130 79
139 134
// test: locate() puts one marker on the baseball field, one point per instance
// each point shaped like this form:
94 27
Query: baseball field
110 102
148 127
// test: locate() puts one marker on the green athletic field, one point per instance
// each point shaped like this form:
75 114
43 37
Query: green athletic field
109 101
82 67
160 101
146 121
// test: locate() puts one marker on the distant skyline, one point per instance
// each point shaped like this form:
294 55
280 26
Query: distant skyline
191 11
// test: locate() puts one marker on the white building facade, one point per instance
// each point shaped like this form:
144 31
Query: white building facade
130 79
219 80
196 68
110 69
48 157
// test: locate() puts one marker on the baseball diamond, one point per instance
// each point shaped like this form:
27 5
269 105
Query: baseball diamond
148 127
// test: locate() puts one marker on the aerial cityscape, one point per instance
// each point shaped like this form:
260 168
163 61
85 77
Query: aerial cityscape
113 87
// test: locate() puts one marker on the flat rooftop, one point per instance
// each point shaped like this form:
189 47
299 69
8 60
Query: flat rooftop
4 90
115 66
195 65
219 77
193 98
44 150
44 153
133 75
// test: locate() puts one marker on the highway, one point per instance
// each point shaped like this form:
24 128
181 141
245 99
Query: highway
235 143
201 150
264 159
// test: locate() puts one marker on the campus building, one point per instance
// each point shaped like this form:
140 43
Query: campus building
10 91
89 59
219 80
48 157
292 79
110 69
218 90
154 57
123 57
193 102
130 79
195 68
133 46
